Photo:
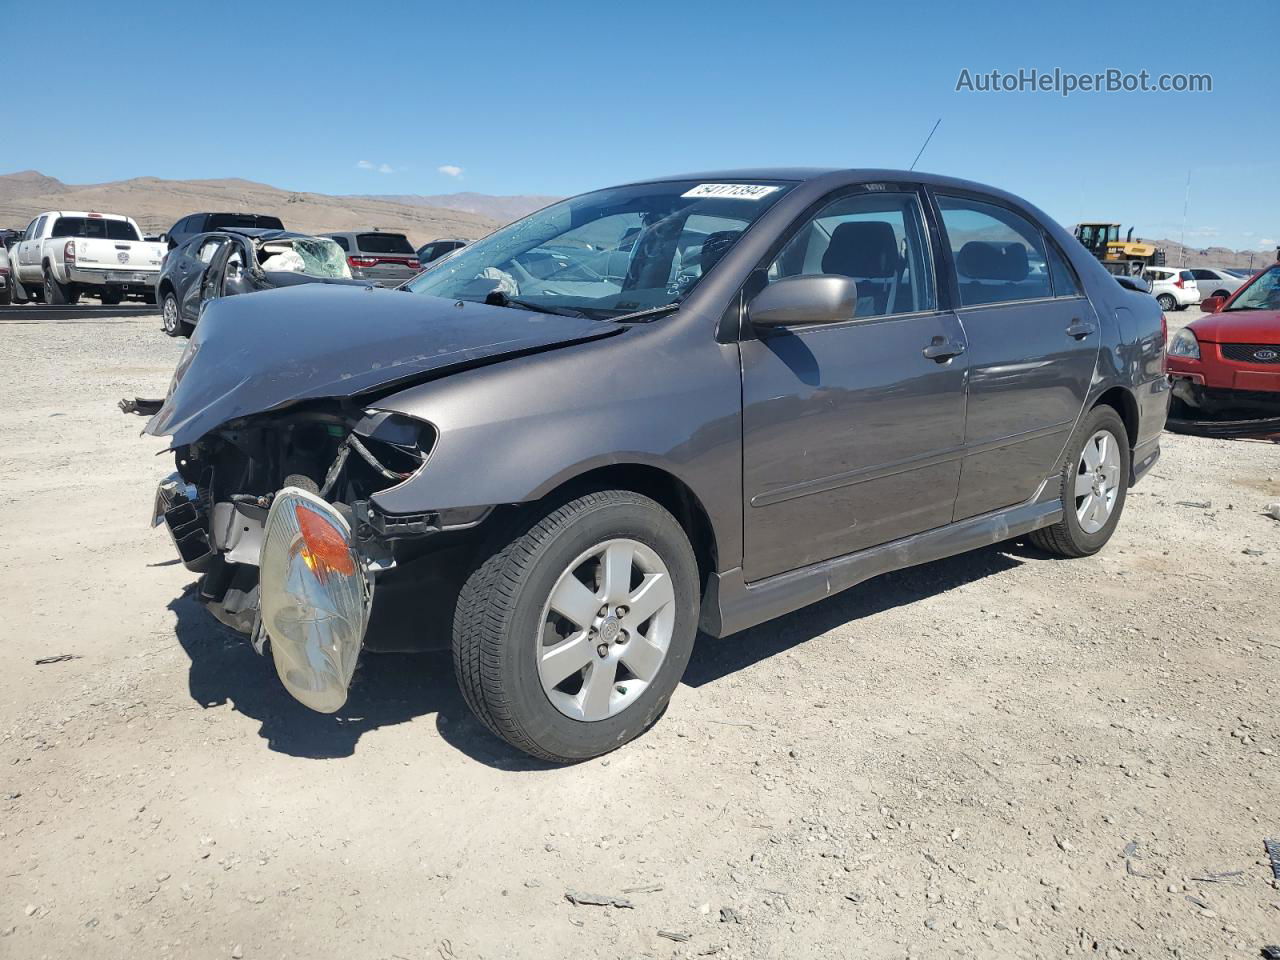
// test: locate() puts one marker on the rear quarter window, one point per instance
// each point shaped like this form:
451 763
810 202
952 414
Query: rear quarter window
396 243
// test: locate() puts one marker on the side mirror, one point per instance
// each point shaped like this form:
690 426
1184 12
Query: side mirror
798 301
1213 304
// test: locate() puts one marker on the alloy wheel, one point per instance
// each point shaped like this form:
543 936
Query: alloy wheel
606 629
169 315
1097 481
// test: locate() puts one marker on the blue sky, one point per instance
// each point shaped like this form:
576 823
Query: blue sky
560 97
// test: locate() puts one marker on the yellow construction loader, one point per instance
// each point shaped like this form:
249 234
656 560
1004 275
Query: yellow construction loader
1125 257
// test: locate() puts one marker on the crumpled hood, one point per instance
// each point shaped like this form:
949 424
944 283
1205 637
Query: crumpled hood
1238 326
259 351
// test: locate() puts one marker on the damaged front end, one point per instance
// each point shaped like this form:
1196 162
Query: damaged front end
274 512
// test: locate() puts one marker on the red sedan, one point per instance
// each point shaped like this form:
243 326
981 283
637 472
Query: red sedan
1229 361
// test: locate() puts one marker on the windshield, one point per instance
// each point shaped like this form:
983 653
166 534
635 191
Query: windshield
606 253
1262 294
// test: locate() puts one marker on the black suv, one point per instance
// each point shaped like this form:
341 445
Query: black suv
198 223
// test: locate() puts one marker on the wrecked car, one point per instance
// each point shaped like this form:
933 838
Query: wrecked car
1227 363
241 260
691 404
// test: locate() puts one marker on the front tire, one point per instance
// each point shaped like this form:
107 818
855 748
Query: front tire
1094 479
170 319
570 638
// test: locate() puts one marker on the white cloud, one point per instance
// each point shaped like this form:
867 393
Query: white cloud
449 170
1267 241
380 167
364 165
385 168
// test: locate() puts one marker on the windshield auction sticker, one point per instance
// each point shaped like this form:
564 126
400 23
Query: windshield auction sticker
731 191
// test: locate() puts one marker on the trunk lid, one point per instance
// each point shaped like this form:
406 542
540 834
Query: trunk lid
261 351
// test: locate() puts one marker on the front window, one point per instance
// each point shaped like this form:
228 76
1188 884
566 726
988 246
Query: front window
1263 293
606 253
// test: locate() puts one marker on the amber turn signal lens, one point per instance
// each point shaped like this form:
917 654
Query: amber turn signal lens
325 548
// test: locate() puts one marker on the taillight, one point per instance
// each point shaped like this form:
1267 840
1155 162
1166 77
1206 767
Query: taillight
362 261
1180 284
69 252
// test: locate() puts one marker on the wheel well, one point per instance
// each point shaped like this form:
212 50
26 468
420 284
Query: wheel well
1121 400
165 287
671 492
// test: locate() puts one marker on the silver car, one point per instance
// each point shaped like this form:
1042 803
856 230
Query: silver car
1216 283
387 259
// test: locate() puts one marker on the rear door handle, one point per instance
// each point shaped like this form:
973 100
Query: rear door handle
1080 329
942 350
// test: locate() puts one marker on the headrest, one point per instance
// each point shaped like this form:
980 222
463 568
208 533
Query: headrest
862 248
980 260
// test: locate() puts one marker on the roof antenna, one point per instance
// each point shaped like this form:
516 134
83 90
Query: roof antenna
926 143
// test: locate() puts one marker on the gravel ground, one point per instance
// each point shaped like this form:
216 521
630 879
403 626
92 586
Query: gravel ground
998 755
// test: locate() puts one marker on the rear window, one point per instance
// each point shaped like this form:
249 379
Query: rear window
220 221
384 243
1186 275
94 227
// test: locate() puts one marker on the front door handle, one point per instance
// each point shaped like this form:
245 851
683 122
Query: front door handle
1080 329
942 350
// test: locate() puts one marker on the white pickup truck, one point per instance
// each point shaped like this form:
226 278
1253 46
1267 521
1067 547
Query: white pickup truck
65 253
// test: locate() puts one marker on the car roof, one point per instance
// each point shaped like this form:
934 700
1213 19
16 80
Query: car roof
801 174
84 213
263 234
359 233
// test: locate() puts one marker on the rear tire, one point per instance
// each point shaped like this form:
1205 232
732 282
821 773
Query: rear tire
1167 302
58 294
1221 293
1089 517
620 670
111 299
170 319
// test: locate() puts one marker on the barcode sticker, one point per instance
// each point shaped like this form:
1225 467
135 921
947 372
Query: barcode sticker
731 191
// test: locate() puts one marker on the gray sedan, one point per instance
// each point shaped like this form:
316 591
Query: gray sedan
678 407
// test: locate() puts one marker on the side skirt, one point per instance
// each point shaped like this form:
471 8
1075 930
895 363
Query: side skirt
730 604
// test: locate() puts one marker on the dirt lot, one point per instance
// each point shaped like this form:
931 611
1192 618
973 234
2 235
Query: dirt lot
999 755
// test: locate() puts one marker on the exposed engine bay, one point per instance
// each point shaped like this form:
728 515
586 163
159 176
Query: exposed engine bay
216 505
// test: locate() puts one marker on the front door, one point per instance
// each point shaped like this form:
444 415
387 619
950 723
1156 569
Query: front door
1033 345
851 433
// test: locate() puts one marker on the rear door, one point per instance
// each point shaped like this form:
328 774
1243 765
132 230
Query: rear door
852 435
197 262
1033 344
